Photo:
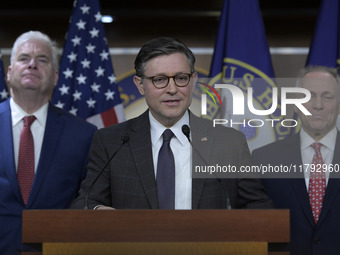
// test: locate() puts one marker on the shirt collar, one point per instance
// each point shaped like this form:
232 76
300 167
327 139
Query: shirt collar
18 113
157 129
327 141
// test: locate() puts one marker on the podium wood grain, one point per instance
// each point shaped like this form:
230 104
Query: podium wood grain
133 231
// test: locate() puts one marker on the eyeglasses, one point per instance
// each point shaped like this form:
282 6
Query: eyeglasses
161 81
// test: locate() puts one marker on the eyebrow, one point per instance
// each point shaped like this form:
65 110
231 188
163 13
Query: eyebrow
324 93
28 55
177 73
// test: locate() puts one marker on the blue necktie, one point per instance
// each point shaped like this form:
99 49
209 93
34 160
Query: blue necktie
166 173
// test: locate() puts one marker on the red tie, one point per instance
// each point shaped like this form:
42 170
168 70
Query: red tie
26 159
317 183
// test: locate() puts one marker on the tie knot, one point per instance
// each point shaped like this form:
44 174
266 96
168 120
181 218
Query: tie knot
28 120
167 135
316 146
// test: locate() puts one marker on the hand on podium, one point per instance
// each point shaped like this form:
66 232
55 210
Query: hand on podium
103 207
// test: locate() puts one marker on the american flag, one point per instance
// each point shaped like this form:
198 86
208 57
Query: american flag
3 87
87 85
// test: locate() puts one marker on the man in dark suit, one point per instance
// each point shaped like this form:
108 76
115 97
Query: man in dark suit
165 75
312 231
55 161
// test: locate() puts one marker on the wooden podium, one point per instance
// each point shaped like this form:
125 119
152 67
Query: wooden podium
155 231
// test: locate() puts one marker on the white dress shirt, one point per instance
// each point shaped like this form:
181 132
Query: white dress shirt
307 152
181 149
37 129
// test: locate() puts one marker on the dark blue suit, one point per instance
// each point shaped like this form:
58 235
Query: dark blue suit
306 236
129 180
60 170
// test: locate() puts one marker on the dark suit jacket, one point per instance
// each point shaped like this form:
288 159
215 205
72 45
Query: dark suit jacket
306 236
61 168
129 180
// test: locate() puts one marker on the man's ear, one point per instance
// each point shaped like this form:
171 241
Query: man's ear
139 84
194 80
9 73
56 77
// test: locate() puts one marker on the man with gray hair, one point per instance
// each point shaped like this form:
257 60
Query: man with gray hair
43 149
312 192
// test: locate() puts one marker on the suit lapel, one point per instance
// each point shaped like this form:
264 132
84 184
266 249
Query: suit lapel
333 186
299 186
293 156
53 130
332 191
202 142
7 150
141 149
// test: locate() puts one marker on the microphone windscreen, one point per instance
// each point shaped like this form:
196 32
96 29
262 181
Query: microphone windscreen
186 130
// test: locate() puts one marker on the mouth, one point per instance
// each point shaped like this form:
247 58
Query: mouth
317 116
31 75
172 102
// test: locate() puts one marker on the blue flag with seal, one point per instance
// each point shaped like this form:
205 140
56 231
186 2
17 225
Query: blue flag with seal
3 87
87 85
325 47
242 58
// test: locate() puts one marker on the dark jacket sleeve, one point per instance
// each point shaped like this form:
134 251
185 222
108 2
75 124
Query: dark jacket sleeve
100 193
251 192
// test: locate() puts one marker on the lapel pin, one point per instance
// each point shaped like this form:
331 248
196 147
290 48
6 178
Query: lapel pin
204 139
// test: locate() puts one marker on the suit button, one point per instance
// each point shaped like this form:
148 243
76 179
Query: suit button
317 240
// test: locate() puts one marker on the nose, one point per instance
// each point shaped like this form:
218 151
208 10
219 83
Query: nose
317 103
32 64
172 87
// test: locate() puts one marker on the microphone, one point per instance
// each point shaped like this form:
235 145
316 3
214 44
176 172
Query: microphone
124 140
186 132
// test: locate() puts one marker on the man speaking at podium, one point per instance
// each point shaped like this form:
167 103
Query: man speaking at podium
145 162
